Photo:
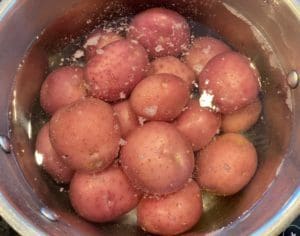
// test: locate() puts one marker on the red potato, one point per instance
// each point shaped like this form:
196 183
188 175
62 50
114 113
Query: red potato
231 80
157 159
98 40
226 165
199 125
113 74
161 31
172 65
160 97
126 116
86 134
172 214
46 156
102 197
62 87
202 51
243 119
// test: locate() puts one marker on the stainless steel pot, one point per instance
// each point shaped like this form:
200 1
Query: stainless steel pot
268 31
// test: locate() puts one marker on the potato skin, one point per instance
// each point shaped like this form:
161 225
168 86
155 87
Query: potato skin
86 134
172 214
232 81
126 116
157 159
161 31
226 165
112 75
202 51
62 87
172 65
243 119
102 197
160 97
98 40
51 162
199 125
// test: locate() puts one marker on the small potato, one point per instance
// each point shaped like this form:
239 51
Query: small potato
232 81
62 87
172 214
47 157
102 197
86 134
226 165
199 125
113 74
161 31
98 40
172 65
157 159
126 116
243 119
160 97
202 51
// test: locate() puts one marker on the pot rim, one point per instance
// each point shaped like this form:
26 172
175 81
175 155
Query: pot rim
287 213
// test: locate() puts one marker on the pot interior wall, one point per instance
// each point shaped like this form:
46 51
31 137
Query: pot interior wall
271 134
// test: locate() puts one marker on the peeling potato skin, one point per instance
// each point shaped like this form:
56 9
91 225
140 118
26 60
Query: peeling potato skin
232 81
161 31
52 163
203 49
157 158
199 125
226 165
172 65
172 214
98 40
62 87
86 134
110 77
126 116
243 119
160 97
103 197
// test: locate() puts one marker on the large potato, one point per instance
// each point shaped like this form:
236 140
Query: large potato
127 118
102 197
157 159
172 65
243 119
97 40
160 97
231 80
202 51
161 31
62 87
226 165
199 125
172 214
47 157
113 74
86 134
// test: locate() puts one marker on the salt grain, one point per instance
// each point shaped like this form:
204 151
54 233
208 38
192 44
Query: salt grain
159 48
78 54
122 142
141 120
206 100
151 110
122 95
92 41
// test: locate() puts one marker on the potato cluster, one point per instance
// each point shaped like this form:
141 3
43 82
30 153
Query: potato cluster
127 129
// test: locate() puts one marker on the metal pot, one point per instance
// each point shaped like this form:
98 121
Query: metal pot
266 30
